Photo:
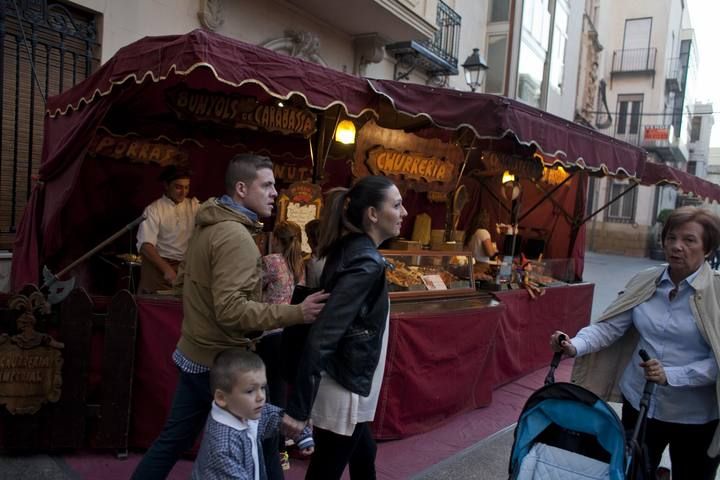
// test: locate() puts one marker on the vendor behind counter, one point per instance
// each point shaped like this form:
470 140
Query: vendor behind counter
163 236
478 239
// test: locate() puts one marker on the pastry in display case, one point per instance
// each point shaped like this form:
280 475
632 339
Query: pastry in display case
500 274
424 273
552 271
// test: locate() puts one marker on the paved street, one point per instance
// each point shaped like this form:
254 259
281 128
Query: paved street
610 273
489 458
485 460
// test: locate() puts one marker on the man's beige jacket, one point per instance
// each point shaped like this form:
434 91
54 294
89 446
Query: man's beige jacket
222 286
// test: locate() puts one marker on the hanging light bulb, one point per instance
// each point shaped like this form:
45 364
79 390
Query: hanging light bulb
507 177
345 132
554 176
510 186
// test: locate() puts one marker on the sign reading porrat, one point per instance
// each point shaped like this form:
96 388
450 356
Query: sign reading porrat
30 361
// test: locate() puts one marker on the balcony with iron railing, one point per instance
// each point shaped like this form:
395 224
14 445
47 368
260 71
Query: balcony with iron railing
636 60
446 41
632 137
390 20
661 140
673 75
435 56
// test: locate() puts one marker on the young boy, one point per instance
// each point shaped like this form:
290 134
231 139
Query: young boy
239 420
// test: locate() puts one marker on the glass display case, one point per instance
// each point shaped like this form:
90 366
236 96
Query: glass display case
427 274
501 274
553 271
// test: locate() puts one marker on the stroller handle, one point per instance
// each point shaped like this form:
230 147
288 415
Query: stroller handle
636 440
550 378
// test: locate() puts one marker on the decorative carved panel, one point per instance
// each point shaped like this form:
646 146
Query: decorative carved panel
30 361
210 14
298 44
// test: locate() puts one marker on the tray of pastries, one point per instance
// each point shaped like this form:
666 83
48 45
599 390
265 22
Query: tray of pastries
409 276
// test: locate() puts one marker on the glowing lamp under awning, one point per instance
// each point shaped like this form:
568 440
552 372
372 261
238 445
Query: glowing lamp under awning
507 177
345 132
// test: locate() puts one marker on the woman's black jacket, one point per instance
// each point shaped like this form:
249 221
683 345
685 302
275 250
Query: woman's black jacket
346 338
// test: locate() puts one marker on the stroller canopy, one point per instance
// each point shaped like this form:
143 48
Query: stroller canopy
573 409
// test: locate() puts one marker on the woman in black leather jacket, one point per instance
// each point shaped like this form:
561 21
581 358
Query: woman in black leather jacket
342 365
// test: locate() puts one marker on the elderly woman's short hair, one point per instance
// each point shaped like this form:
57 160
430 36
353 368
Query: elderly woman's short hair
709 222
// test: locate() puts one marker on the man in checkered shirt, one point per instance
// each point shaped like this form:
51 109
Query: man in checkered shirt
239 417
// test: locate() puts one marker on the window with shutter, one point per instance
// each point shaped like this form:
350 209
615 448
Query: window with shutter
621 210
47 47
629 116
636 44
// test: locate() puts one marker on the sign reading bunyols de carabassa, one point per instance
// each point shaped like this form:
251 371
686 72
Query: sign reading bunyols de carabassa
239 111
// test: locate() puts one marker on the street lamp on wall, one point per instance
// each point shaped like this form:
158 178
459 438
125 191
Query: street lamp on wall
474 67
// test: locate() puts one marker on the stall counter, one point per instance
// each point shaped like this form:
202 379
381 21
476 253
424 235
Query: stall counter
443 358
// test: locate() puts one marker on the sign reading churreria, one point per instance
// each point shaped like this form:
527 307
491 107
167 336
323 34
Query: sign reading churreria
425 165
411 165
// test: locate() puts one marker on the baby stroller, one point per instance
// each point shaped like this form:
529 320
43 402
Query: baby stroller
568 432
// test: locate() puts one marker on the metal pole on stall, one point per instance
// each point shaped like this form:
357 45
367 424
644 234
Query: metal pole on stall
514 221
610 202
312 160
467 156
323 147
317 165
450 222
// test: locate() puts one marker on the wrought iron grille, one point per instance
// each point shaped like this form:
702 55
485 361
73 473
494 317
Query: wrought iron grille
47 47
446 41
634 60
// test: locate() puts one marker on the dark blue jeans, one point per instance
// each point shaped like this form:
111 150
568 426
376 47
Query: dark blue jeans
185 421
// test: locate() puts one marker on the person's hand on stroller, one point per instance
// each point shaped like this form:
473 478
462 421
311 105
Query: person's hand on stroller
654 371
563 344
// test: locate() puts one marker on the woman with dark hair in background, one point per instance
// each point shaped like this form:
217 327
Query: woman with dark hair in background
313 264
283 268
671 312
341 369
478 239
281 271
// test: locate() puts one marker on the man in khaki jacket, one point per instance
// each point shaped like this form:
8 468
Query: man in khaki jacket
222 293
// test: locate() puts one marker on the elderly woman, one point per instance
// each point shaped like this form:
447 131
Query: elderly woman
673 312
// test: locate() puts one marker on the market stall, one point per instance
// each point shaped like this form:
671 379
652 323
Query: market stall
661 174
197 99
